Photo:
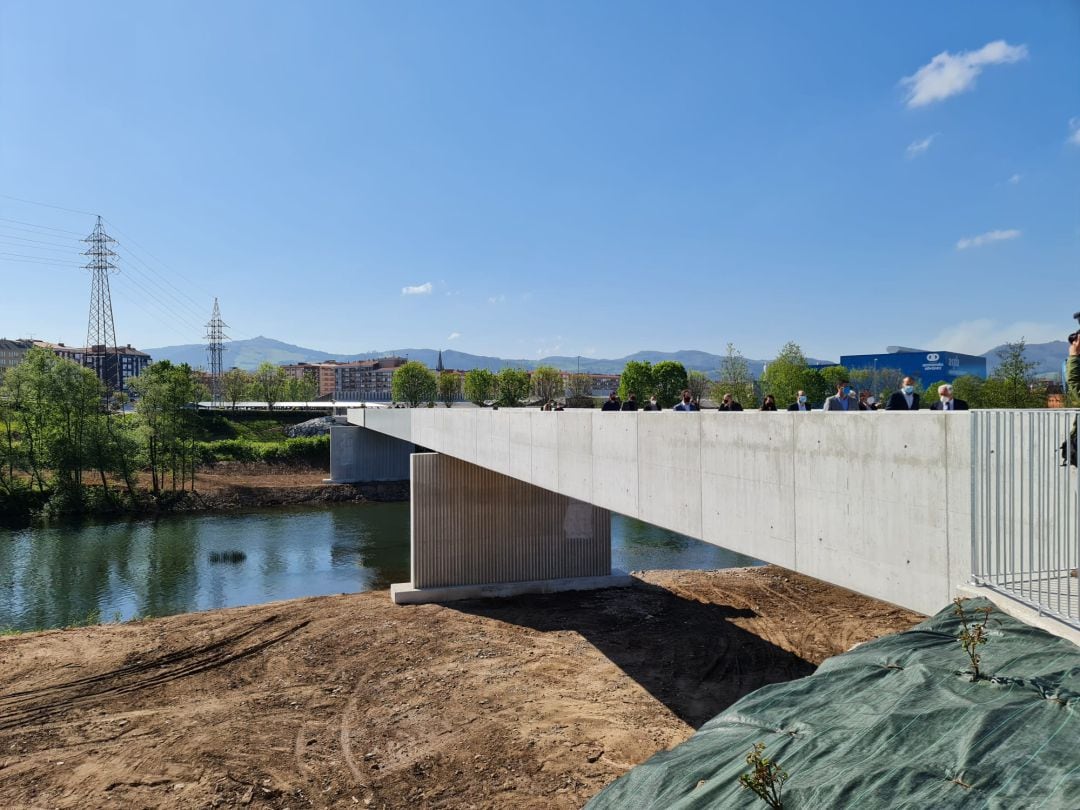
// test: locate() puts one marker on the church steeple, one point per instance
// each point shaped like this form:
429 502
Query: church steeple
439 365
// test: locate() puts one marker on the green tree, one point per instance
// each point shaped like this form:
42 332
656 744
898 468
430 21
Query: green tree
787 374
881 382
637 379
1010 386
166 413
669 381
930 395
448 387
235 383
735 378
414 384
270 382
479 386
547 383
698 384
969 388
513 386
579 388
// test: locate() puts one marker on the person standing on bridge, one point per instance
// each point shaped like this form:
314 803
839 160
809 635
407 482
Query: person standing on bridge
728 403
905 399
947 401
631 403
800 403
612 403
687 403
842 400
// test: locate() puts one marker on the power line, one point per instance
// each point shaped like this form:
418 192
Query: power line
46 259
41 227
47 205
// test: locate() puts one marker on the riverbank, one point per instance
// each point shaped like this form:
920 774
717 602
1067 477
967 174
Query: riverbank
530 702
220 487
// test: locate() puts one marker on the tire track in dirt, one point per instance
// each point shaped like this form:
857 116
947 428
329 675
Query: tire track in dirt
61 703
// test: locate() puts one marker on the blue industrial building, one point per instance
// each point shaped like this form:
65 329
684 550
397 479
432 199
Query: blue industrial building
926 367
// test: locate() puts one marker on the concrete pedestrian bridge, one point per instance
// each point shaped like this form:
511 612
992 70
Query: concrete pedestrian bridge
517 500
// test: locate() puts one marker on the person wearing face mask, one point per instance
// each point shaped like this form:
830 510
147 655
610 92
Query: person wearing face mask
946 400
800 403
843 400
651 404
686 404
905 399
866 401
728 403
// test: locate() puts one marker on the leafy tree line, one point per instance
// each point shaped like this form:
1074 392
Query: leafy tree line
58 431
1012 385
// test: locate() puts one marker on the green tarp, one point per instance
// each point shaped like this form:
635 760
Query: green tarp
895 723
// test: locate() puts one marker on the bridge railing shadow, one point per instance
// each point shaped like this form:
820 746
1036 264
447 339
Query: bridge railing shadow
685 653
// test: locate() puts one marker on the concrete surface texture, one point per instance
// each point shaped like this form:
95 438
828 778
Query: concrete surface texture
472 526
358 455
876 502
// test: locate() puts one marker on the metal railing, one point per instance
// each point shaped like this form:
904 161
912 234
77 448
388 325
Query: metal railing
1025 503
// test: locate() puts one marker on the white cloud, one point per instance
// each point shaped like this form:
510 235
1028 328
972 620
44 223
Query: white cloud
976 337
497 299
1016 178
948 74
419 289
1074 132
916 148
986 238
453 336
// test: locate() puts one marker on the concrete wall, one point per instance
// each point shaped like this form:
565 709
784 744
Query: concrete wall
876 502
471 525
362 456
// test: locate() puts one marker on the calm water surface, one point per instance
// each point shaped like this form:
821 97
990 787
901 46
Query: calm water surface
59 575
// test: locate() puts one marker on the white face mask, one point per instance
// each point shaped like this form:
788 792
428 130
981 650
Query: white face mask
871 400
944 398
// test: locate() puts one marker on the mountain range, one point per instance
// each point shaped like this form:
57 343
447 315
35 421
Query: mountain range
248 354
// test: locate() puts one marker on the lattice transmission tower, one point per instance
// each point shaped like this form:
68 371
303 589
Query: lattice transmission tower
101 353
215 349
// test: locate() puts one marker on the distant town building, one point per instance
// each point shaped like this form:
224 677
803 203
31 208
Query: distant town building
925 366
357 380
12 353
103 361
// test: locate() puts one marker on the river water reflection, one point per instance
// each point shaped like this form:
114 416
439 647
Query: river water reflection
59 575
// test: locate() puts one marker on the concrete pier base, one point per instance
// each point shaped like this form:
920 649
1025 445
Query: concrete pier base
476 532
405 594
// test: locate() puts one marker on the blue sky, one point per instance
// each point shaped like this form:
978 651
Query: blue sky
524 179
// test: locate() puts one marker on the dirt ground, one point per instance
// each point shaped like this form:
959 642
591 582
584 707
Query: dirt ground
350 701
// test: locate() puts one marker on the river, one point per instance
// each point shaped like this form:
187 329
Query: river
59 575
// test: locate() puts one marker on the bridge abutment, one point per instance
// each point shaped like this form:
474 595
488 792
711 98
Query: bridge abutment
478 533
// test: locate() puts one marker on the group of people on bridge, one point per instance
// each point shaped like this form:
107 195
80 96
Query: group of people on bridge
845 399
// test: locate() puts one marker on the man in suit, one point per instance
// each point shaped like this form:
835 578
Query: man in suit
800 403
728 403
905 399
946 400
612 403
686 404
843 400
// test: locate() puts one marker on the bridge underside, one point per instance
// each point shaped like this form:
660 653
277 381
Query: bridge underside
879 503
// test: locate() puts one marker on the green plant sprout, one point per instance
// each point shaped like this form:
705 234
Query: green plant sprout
974 633
766 778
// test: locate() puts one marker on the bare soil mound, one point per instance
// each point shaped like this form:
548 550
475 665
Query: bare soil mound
350 701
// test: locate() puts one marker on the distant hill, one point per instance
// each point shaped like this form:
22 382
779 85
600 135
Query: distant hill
1048 357
248 354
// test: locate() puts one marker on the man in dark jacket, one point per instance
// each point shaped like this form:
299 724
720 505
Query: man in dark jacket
728 403
612 403
946 400
905 399
631 403
800 403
